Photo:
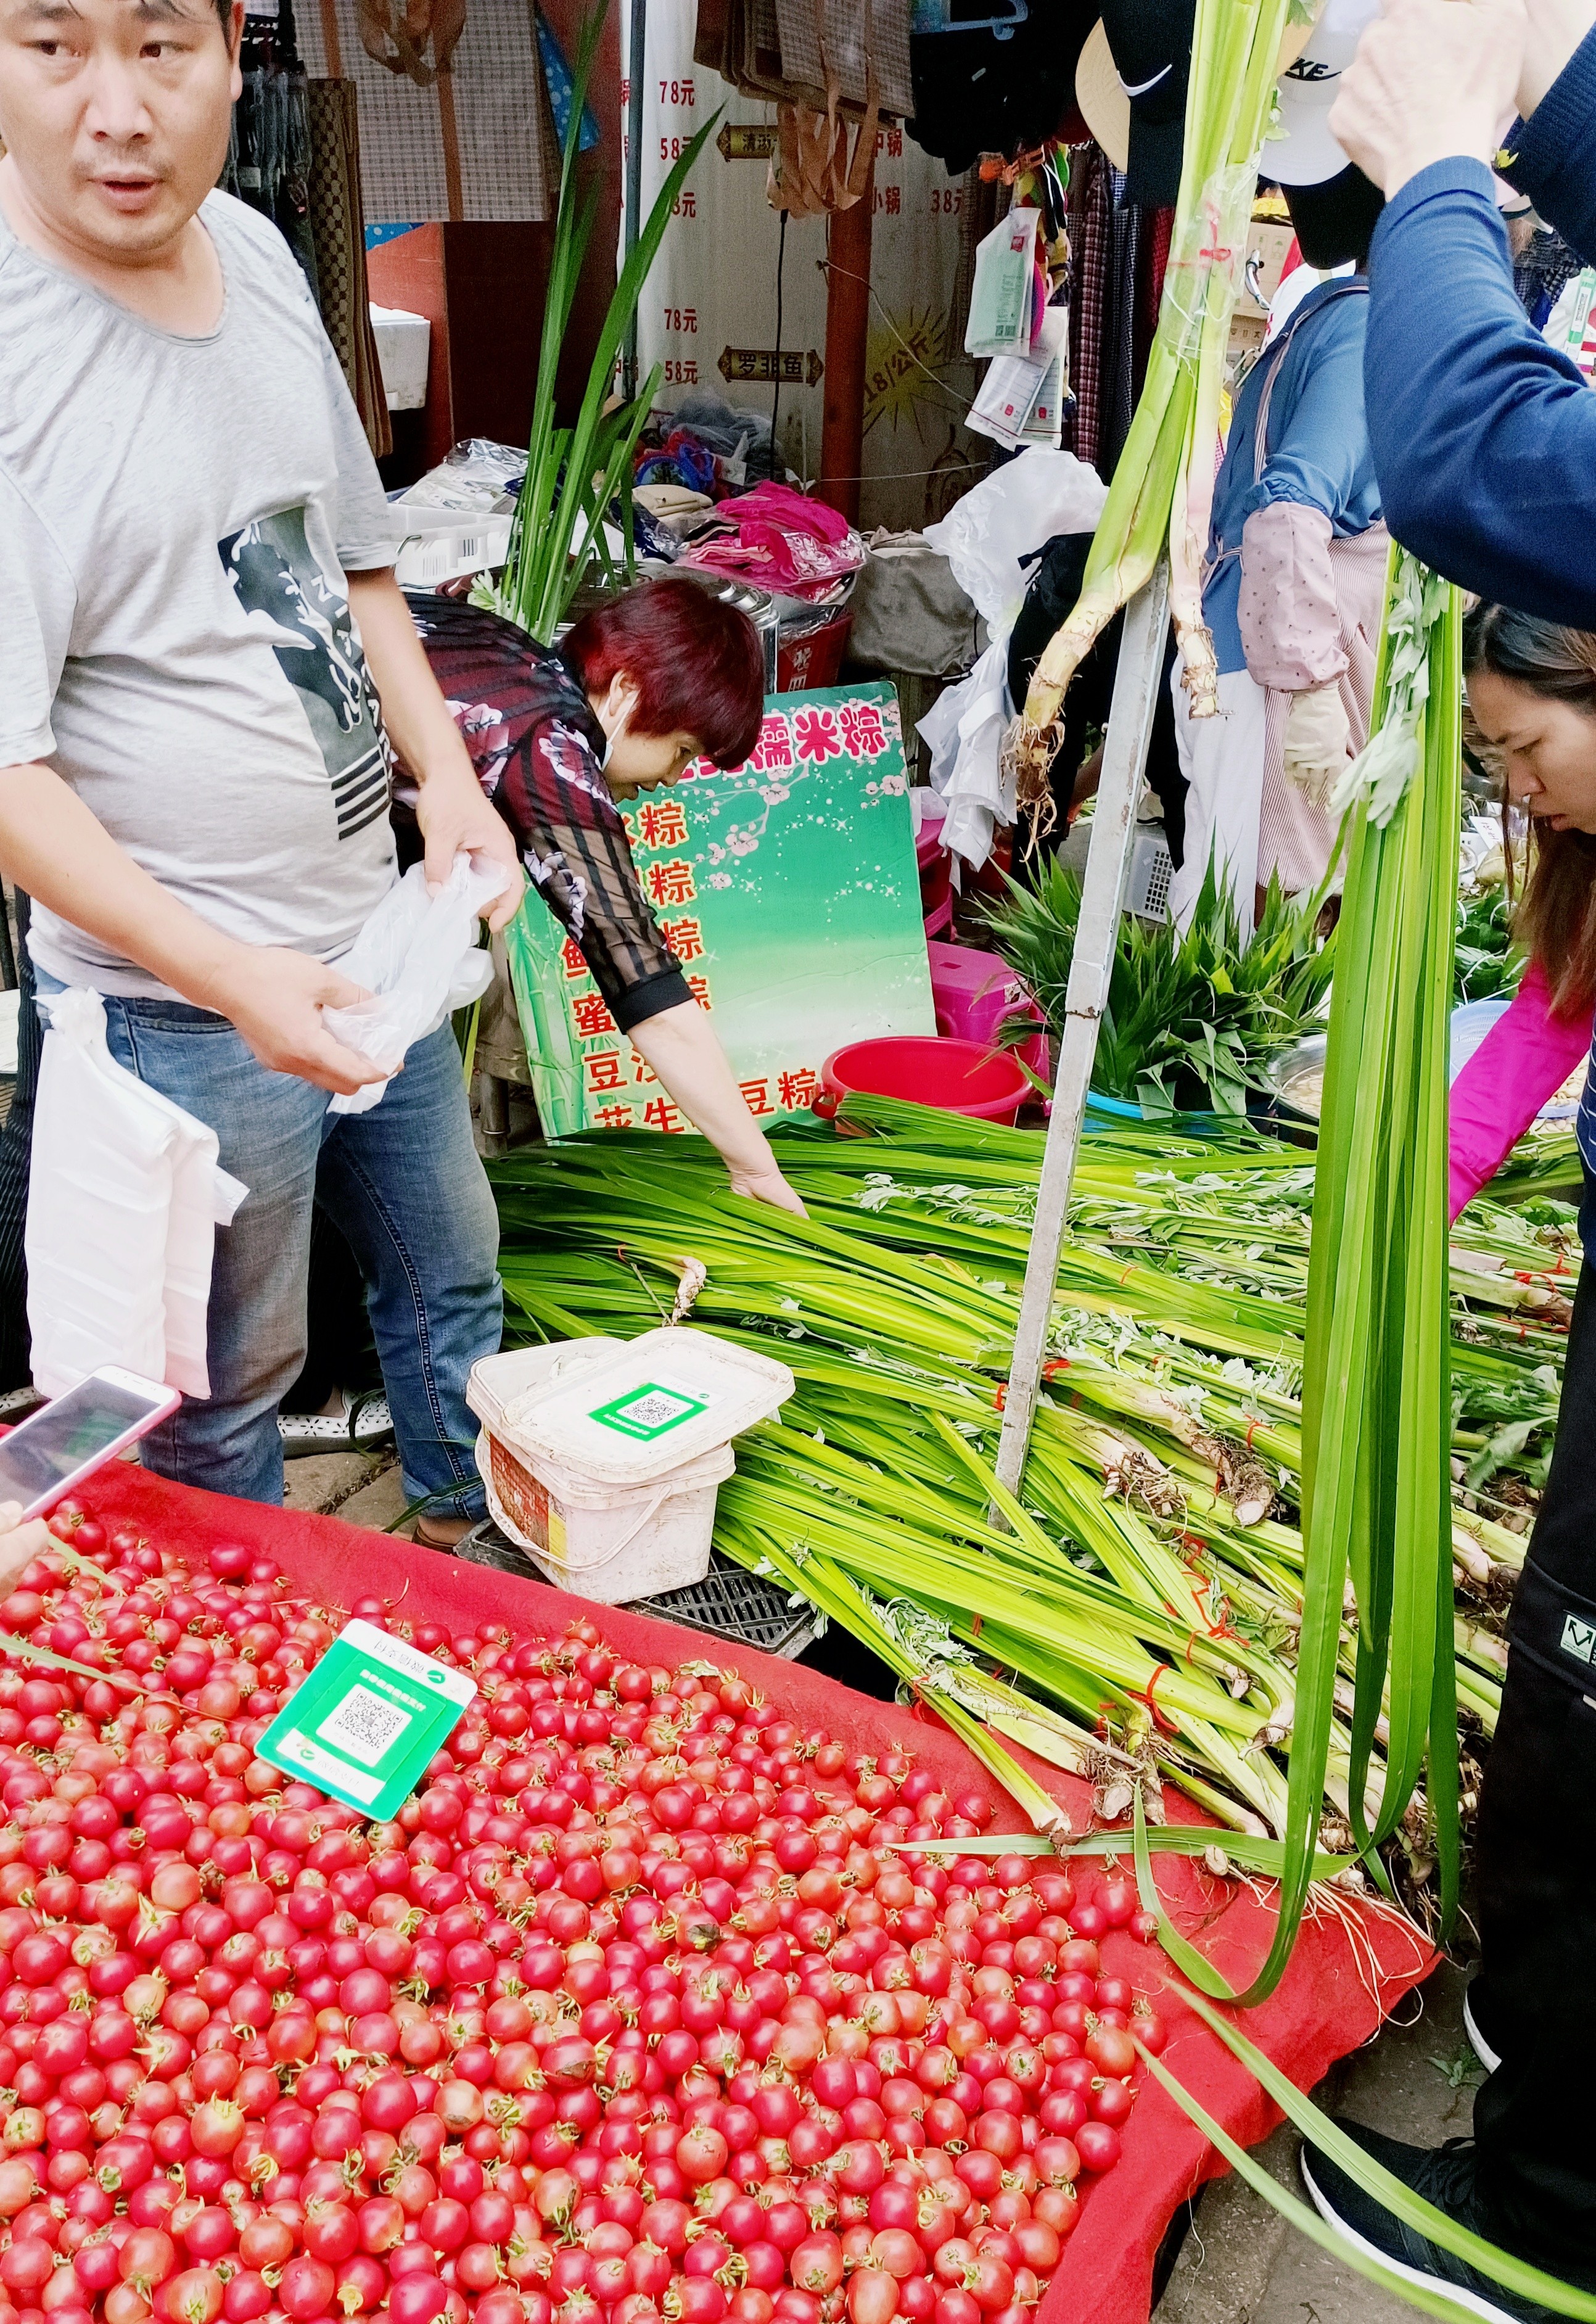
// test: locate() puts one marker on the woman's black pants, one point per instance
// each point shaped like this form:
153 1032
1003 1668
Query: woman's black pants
1534 2120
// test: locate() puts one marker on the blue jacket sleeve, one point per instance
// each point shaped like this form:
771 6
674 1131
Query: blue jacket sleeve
1552 157
1484 437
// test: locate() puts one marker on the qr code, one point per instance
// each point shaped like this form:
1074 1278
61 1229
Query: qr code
656 1408
364 1725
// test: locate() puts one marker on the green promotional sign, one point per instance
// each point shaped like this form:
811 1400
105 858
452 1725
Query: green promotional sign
368 1720
787 890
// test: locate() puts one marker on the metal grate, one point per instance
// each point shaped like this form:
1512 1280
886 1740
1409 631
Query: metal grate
1151 871
729 1603
744 1607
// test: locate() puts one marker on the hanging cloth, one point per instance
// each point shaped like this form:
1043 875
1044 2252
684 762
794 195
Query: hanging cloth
269 155
1090 200
337 222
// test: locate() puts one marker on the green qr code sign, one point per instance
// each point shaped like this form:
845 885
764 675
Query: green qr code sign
649 1411
368 1719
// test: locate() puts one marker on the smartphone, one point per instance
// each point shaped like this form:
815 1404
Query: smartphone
55 1448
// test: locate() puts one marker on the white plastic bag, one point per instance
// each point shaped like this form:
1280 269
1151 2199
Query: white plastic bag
963 730
124 1196
1016 510
1003 286
1010 515
418 956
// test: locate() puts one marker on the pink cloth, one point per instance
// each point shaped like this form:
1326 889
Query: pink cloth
1309 613
1524 1058
1287 609
779 540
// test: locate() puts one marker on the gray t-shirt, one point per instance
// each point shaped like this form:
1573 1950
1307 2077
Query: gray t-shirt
176 516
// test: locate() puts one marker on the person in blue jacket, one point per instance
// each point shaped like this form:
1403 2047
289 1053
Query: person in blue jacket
1292 591
1484 441
1294 581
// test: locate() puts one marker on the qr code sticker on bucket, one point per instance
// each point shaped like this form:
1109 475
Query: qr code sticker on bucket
364 1725
657 1408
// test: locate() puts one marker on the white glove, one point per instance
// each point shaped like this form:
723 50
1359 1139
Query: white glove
1318 740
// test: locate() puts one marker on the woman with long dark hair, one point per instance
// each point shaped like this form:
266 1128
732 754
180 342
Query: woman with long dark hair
1532 690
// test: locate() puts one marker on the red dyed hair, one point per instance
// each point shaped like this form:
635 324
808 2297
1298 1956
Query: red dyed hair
697 664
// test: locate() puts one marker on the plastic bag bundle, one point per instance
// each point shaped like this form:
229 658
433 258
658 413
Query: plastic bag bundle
419 958
123 1201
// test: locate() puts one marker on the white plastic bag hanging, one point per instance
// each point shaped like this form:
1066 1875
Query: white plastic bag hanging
1016 510
418 956
1003 286
1010 514
124 1196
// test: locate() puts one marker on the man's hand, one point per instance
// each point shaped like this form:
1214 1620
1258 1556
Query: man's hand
1554 31
765 1185
275 998
453 814
1432 79
20 1544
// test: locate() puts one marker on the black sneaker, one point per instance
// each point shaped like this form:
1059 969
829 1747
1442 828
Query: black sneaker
1444 2176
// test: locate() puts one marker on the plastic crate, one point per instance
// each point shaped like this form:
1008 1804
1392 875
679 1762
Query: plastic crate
729 1603
1147 889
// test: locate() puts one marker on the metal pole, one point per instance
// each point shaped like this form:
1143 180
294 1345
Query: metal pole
1137 679
637 42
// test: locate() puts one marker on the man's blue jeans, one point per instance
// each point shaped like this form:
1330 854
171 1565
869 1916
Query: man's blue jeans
406 1187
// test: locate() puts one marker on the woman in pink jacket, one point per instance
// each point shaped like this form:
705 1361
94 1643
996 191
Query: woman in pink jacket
1532 688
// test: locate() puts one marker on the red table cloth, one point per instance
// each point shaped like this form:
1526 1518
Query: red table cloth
1348 1973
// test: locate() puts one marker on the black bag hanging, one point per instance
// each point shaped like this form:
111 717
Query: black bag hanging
979 92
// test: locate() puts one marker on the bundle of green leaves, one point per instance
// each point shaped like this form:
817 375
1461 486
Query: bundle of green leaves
1192 1021
1488 964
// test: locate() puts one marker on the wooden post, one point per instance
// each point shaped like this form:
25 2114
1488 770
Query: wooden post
847 336
1138 676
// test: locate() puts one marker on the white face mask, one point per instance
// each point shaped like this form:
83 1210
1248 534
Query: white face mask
612 739
611 734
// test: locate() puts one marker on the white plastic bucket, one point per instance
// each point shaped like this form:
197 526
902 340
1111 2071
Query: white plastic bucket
603 1458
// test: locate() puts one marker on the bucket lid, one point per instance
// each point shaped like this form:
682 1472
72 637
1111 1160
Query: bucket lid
495 1383
648 1406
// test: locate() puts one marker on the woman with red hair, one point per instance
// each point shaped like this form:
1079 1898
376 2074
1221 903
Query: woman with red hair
663 675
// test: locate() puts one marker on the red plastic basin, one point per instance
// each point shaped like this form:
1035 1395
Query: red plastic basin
959 1076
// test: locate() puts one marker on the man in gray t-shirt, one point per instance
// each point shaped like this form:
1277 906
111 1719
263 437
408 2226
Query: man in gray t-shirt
203 655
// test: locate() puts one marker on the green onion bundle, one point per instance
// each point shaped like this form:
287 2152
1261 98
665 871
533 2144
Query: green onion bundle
1140 1615
1377 1386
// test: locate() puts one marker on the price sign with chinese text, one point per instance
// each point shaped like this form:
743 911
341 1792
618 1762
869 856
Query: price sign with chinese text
789 891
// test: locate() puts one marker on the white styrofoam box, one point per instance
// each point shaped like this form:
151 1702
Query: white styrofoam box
403 343
437 545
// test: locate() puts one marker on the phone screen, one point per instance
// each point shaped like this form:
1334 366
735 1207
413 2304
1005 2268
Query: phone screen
55 1444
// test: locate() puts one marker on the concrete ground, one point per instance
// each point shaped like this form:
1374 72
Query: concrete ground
1242 2264
364 1487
